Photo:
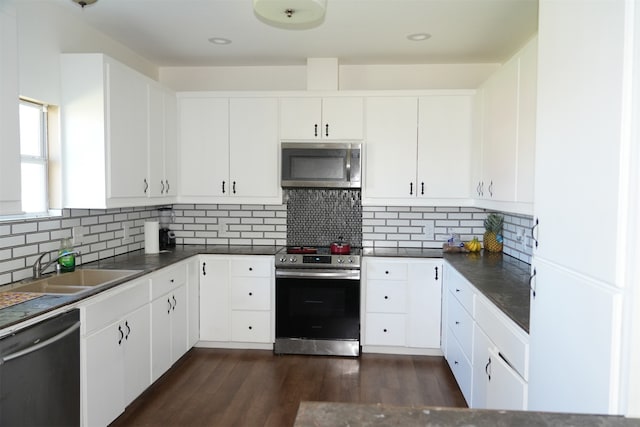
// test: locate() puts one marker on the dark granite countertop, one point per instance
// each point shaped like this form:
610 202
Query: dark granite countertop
136 260
329 414
504 280
402 252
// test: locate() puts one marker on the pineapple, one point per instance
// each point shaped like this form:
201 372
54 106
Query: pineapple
493 236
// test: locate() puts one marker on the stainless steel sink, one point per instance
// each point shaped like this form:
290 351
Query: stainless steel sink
76 282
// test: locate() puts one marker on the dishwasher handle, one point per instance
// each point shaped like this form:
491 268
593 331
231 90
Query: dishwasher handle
42 344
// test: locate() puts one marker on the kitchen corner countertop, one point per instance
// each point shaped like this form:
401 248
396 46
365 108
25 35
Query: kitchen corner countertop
136 260
402 252
504 280
329 414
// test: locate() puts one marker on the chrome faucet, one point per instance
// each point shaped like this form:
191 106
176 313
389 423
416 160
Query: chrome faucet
37 266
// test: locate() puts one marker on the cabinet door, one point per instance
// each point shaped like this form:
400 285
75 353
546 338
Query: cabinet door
103 376
390 152
500 133
137 353
204 146
10 192
254 148
574 338
156 141
127 101
170 144
444 146
527 94
214 299
193 295
480 363
300 118
505 389
342 118
179 323
161 338
424 304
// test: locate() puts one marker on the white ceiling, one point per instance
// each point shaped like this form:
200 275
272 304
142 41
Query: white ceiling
176 32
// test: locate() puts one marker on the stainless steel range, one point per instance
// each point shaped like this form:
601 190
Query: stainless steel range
317 302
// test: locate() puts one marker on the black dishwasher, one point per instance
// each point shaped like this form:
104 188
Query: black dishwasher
40 374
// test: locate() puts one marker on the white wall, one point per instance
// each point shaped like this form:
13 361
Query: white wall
351 77
47 29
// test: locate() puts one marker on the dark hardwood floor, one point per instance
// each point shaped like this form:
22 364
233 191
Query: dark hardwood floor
212 387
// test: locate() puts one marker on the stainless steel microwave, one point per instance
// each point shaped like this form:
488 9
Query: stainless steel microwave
327 165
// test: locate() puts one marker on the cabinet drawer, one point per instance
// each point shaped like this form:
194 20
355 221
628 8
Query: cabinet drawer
460 366
111 307
167 279
386 296
251 267
385 329
249 293
461 289
251 326
511 341
461 325
386 270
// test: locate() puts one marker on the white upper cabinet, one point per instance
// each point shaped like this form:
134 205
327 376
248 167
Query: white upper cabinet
505 135
203 129
418 150
9 132
162 143
254 150
229 150
332 118
111 115
444 146
390 149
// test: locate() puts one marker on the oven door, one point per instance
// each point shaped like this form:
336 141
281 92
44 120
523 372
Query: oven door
317 305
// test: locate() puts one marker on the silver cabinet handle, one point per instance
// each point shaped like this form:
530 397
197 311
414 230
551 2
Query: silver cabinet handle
161 187
42 344
491 189
146 186
531 286
168 187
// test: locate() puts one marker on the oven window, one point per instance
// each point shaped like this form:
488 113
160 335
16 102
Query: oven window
317 308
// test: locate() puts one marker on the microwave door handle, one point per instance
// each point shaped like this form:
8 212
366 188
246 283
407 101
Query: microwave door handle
349 164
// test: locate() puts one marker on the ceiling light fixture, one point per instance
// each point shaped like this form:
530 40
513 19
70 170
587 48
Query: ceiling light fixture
418 37
219 40
290 12
84 3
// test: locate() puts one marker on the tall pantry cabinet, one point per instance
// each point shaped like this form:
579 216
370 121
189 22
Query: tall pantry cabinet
580 296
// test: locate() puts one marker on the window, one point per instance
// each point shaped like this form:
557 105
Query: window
34 158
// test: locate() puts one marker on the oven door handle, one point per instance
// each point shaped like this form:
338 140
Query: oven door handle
318 274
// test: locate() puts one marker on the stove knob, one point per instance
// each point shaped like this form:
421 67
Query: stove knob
340 260
350 260
283 259
293 259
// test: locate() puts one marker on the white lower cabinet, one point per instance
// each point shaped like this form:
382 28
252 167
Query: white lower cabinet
115 345
487 352
130 336
401 300
236 301
169 318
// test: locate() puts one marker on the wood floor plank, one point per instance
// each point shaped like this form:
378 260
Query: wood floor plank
216 387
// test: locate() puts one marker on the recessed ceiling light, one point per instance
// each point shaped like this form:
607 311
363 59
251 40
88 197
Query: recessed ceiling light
219 40
418 37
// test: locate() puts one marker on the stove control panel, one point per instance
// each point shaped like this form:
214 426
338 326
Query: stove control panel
317 261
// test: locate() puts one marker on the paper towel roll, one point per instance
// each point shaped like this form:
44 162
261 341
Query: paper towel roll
151 237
